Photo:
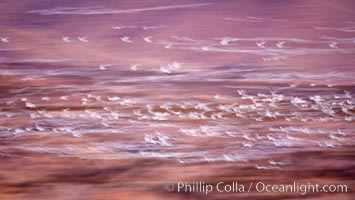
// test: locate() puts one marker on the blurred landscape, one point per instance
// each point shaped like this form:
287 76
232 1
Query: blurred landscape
114 99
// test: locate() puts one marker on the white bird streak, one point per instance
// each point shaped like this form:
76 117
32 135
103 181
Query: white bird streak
40 60
99 10
190 41
241 19
272 52
267 19
13 49
193 44
144 27
254 19
296 40
123 27
340 29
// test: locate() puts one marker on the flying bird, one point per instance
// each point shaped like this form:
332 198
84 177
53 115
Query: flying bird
261 44
117 27
280 44
226 41
168 46
64 98
205 48
113 98
134 67
66 39
30 105
5 39
333 45
46 98
148 39
170 67
104 66
217 96
83 39
126 39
